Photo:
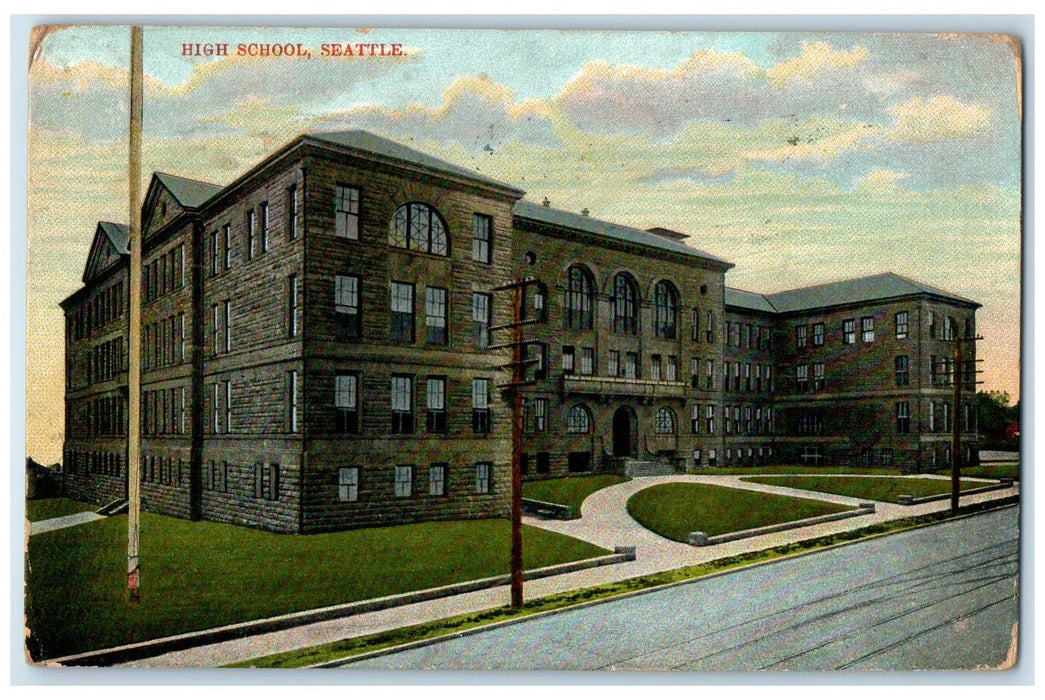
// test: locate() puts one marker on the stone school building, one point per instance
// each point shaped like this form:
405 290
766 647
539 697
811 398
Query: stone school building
323 347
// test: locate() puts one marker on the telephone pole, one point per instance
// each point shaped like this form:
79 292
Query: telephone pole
513 389
961 379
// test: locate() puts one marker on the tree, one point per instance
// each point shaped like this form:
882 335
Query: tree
993 416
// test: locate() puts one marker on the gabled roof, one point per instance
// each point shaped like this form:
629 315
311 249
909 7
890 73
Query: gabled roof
359 140
569 220
107 236
190 194
118 235
874 288
748 300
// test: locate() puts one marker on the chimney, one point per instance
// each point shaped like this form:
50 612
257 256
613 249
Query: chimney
547 202
584 211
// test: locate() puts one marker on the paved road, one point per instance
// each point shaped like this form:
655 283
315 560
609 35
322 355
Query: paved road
937 598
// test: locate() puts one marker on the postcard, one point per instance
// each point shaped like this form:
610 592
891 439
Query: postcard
405 348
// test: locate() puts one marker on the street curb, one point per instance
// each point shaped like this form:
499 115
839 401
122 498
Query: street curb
905 500
163 645
700 539
406 646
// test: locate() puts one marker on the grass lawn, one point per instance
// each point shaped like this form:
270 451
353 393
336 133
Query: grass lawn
675 510
570 491
45 508
198 575
990 470
793 469
871 489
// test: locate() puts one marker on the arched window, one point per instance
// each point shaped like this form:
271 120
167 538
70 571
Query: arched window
418 226
666 304
625 304
665 424
579 298
578 420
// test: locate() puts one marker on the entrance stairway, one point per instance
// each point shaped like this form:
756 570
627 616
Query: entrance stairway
652 467
113 507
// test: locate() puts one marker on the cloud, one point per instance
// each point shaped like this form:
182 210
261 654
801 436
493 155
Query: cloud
816 57
823 149
942 117
881 180
477 113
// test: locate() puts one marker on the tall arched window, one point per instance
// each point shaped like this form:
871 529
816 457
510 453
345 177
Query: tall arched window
665 424
579 298
666 304
578 420
418 226
625 304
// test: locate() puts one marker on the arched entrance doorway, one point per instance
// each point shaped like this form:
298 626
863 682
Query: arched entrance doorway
625 432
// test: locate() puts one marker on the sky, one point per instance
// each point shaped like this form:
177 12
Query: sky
800 158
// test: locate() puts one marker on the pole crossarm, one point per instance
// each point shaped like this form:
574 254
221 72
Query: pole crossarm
516 324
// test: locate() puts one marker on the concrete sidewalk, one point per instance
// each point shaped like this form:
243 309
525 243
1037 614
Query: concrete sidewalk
63 522
605 522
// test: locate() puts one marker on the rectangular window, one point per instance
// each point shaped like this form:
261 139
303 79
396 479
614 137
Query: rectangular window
228 406
404 481
273 482
435 316
709 374
567 359
226 259
483 476
932 417
215 410
802 378
292 306
263 209
213 259
215 328
348 484
849 331
346 212
292 212
747 377
250 235
867 329
631 365
818 334
613 363
481 320
537 354
709 327
903 417
402 404
346 307
292 400
346 402
435 400
655 367
709 419
694 328
437 480
228 325
587 361
671 368
818 376
481 406
932 324
540 415
901 324
734 334
745 336
736 376
482 230
179 273
903 372
401 328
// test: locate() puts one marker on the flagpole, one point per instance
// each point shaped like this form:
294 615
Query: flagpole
134 341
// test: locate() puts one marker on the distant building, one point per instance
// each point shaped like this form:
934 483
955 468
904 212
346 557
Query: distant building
320 349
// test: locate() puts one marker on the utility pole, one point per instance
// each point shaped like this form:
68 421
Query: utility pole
513 389
134 341
961 378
